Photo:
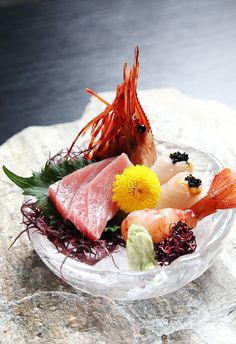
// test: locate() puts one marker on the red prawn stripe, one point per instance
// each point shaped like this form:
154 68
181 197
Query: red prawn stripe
229 183
141 113
130 95
98 126
111 133
88 125
219 177
125 87
132 84
97 96
103 139
134 78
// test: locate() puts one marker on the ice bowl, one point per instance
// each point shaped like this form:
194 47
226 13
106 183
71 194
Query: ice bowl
110 278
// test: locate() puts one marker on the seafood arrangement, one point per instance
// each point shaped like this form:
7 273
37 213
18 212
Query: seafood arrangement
120 192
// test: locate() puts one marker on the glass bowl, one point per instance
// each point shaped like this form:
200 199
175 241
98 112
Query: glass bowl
115 281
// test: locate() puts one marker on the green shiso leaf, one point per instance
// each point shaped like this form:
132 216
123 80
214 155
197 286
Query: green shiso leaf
37 185
114 224
112 228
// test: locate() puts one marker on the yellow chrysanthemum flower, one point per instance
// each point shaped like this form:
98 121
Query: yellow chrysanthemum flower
137 188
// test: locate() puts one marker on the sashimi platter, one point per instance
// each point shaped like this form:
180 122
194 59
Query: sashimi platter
123 215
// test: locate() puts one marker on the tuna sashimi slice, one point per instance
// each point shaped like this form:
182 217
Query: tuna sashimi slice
92 205
62 192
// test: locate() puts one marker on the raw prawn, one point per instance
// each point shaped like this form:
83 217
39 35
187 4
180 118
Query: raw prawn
221 195
123 126
180 191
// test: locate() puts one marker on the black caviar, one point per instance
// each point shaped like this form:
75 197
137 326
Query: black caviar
193 182
178 157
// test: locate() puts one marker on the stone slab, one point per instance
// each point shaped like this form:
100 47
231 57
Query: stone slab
37 307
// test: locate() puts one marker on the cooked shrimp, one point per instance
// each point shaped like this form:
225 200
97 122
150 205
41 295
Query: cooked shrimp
157 222
167 165
180 191
221 195
123 126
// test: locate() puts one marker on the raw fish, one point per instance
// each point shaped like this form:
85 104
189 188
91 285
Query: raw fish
178 193
165 168
61 193
92 205
85 197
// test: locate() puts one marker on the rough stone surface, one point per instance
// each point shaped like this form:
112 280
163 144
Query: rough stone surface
37 307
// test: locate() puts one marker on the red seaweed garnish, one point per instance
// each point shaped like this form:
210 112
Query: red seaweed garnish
62 155
180 242
67 238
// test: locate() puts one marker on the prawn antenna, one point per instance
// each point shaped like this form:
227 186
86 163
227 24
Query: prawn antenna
97 96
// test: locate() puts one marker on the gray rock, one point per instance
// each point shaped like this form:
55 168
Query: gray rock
37 307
